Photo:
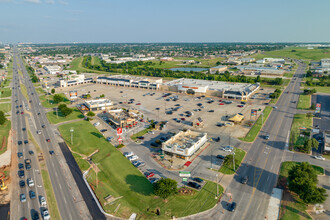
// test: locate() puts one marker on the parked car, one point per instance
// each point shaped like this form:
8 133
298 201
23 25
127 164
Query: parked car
134 157
103 130
194 185
96 124
149 174
128 154
136 162
141 137
109 139
227 148
232 207
142 164
244 180
153 180
198 180
220 157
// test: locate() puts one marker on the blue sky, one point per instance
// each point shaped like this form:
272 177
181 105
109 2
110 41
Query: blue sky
56 21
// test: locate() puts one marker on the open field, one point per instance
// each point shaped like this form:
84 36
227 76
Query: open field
119 178
47 100
301 53
76 64
254 131
294 208
40 91
320 89
4 132
96 60
54 118
5 107
299 120
239 155
5 92
304 102
83 164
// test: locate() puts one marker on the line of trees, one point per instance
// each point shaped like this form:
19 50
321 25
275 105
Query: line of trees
33 76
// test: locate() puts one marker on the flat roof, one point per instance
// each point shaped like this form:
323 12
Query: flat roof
185 140
213 85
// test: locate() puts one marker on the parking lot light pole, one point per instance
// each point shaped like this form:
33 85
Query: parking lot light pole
71 130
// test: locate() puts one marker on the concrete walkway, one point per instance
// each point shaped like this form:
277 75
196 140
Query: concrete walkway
274 204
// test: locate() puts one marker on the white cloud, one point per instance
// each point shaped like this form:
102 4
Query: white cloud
33 1
50 2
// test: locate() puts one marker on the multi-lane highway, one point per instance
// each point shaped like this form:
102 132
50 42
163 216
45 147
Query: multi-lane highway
37 119
262 163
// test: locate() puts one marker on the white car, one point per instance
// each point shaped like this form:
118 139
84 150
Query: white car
319 157
96 124
151 132
128 154
134 157
227 149
42 201
30 182
275 107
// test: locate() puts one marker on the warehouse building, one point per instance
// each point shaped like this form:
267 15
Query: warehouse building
130 81
240 91
184 144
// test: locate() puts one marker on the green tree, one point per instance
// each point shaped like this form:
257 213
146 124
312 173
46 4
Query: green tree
102 96
66 111
53 91
306 148
313 106
315 143
91 114
309 115
3 118
302 180
58 98
165 187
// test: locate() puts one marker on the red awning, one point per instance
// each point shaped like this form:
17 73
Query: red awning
187 163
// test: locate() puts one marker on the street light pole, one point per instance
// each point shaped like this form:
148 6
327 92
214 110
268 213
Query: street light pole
234 159
71 130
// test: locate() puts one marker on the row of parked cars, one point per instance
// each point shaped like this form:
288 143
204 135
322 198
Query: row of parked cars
134 159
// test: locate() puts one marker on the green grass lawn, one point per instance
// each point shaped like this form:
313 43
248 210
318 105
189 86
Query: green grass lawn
5 100
24 91
254 131
301 53
5 92
299 120
83 164
76 64
304 102
118 177
5 107
50 103
239 155
295 209
4 132
320 89
53 119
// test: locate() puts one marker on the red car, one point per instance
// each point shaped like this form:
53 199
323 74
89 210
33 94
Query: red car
149 174
138 103
183 119
22 113
240 106
221 103
48 140
220 100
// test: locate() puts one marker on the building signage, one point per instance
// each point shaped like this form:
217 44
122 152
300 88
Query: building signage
119 131
188 87
184 174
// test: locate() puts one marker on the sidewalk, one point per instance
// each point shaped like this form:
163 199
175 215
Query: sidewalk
5 158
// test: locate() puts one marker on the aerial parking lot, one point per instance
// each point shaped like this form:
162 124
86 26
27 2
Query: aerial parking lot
181 110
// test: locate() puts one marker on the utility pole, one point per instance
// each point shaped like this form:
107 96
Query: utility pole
234 159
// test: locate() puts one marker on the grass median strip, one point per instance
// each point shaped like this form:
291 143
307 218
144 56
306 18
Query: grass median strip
125 183
141 133
24 91
254 131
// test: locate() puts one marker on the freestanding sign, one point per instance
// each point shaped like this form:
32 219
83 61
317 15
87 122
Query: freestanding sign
119 131
184 174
